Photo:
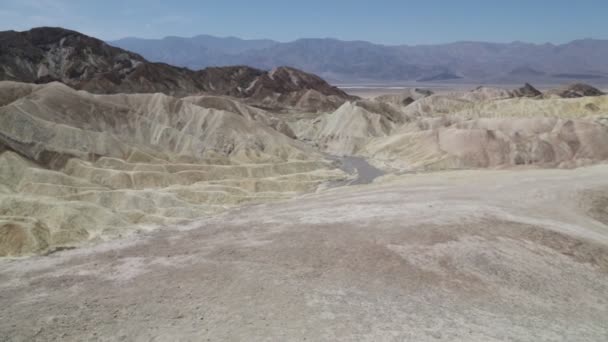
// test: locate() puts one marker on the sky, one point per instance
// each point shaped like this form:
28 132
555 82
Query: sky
380 21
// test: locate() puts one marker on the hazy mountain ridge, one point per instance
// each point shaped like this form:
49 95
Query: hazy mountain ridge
364 61
192 52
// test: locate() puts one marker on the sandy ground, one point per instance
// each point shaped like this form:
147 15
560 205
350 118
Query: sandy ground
452 256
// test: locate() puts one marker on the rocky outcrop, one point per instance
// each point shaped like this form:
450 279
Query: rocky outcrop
575 90
526 91
45 54
288 87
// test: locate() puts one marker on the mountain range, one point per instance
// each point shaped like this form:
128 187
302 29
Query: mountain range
360 61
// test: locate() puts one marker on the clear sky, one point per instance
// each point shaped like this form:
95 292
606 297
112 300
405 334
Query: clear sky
380 21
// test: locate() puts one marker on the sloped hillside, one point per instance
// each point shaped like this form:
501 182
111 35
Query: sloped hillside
485 127
76 166
46 54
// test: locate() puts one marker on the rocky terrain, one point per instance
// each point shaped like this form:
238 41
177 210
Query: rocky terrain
77 166
80 167
484 127
84 165
45 54
575 90
481 255
214 211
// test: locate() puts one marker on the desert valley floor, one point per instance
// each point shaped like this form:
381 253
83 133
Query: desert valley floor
456 256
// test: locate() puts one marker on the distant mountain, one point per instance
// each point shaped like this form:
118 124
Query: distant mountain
444 76
525 72
46 54
348 61
195 53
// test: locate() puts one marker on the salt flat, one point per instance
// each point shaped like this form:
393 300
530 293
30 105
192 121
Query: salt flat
477 255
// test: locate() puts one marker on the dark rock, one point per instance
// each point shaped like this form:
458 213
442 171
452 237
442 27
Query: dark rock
46 54
575 90
527 91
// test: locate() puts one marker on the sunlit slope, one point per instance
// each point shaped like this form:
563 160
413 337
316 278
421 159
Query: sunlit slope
78 166
485 127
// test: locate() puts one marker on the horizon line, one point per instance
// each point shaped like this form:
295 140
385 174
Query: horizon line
516 41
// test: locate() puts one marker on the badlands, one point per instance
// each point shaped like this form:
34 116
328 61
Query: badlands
139 201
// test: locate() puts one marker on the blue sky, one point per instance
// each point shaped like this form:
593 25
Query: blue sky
388 21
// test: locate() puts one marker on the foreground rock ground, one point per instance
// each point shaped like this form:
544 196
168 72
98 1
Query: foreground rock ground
482 255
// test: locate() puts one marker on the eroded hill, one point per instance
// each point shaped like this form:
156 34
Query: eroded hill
47 54
75 166
116 146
